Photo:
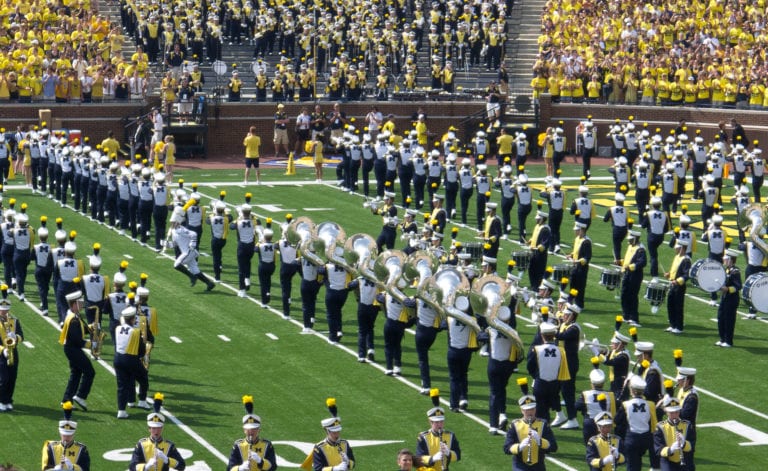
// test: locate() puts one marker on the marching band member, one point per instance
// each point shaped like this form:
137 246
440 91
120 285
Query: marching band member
267 251
289 266
388 212
672 438
43 254
117 300
72 337
439 215
548 366
657 223
757 165
729 300
333 453
251 452
428 325
580 256
507 185
539 243
590 401
650 371
582 208
556 199
632 266
68 268
589 146
183 240
642 178
367 311
529 438
155 451
568 338
219 222
688 396
129 351
336 292
491 232
524 196
503 358
635 423
66 453
678 274
245 225
483 183
620 173
698 155
95 287
23 243
437 448
710 196
617 360
603 449
462 341
11 335
618 215
467 186
451 183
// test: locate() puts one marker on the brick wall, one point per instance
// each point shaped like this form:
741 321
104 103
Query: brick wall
755 122
228 123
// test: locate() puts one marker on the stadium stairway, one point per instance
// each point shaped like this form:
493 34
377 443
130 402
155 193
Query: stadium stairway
527 23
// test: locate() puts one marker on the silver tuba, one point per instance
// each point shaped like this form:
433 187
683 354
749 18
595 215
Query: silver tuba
389 266
420 266
490 297
751 220
359 250
329 236
300 232
448 292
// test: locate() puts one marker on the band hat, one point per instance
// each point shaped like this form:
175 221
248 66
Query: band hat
67 427
619 197
541 214
579 225
438 197
488 260
574 308
5 304
546 284
130 311
681 243
643 347
523 179
597 377
142 291
94 261
633 233
411 212
74 296
604 418
672 404
70 247
548 329
251 421
436 414
527 402
583 189
557 182
733 253
637 383
717 219
155 420
332 424
619 337
655 201
389 194
685 219
683 372
491 205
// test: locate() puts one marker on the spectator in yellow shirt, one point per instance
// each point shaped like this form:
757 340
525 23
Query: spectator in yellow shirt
252 144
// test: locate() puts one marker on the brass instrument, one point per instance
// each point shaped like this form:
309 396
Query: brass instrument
448 292
10 342
420 266
327 238
490 297
96 332
594 346
752 219
389 266
300 233
359 249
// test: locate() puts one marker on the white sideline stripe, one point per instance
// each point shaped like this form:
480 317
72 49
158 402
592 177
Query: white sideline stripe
591 326
224 338
271 336
713 319
203 442
175 339
318 209
599 244
128 256
28 344
727 401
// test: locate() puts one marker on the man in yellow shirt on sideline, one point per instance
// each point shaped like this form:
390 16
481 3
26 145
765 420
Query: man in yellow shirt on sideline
252 143
110 145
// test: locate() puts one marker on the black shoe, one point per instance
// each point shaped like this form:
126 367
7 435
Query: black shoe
210 286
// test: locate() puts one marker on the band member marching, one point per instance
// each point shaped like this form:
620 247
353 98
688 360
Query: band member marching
66 453
252 452
529 438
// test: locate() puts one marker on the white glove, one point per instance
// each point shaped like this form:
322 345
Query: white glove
341 467
94 345
615 453
608 459
444 449
67 464
255 457
245 466
530 303
535 436
146 360
525 443
674 447
161 456
437 457
12 335
150 463
5 352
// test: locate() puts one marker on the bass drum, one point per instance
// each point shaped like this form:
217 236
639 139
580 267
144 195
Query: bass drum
708 275
755 292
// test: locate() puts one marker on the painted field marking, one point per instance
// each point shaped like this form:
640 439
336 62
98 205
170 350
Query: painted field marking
28 344
175 339
590 325
224 338
271 336
754 436
599 244
128 256
318 209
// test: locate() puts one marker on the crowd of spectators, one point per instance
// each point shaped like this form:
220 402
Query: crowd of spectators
354 48
708 53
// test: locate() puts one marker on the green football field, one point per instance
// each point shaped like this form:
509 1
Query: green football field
214 347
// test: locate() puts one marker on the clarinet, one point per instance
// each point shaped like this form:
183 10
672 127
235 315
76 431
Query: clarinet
681 443
610 449
529 457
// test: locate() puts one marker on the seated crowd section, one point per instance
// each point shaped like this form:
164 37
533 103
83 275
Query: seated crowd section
670 53
71 51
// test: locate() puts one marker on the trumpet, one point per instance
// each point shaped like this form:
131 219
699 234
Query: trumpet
10 342
593 345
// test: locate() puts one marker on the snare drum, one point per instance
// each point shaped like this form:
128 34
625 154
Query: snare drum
708 275
610 278
562 271
755 291
656 292
475 250
522 259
